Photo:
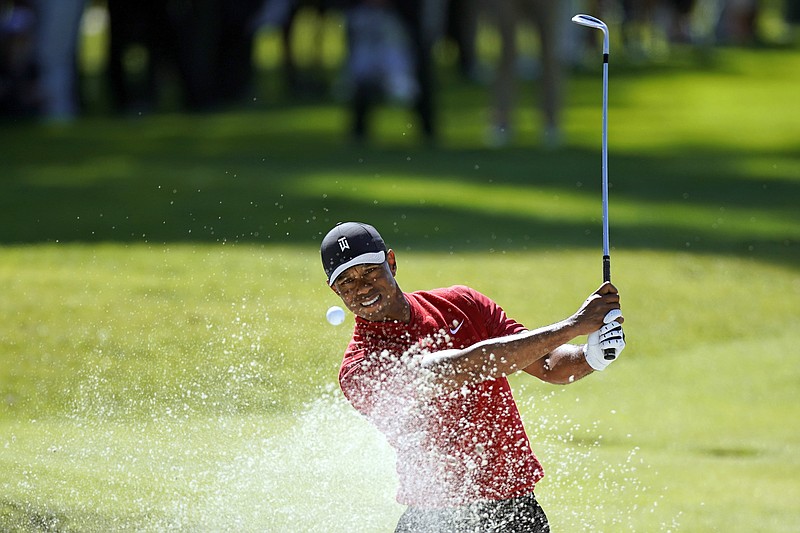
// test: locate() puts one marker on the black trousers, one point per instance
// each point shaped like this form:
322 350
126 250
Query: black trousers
517 515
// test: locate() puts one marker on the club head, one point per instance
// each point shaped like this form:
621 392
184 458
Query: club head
590 21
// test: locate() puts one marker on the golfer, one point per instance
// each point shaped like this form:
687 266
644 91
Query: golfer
429 369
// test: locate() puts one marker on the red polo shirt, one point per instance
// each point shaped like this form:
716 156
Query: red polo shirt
452 448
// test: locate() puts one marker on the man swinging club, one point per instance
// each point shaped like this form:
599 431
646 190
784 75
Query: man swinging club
429 369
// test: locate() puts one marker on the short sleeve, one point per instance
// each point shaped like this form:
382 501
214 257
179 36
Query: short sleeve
498 324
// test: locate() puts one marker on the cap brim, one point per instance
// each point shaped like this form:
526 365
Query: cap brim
372 258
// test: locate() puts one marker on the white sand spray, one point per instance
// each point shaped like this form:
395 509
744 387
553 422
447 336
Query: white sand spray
327 470
190 466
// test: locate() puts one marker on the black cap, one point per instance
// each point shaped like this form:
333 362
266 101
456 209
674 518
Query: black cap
349 244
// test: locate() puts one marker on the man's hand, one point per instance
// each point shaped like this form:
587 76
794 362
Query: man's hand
608 337
591 315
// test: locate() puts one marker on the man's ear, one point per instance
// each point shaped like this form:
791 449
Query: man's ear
333 288
392 261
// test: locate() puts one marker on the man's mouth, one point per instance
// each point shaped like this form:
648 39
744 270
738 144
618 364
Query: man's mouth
372 301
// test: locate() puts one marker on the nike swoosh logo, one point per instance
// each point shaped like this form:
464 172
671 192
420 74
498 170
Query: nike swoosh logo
454 330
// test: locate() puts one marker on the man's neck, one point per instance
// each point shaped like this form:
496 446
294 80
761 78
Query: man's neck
400 310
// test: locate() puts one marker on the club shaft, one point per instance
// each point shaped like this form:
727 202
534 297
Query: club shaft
609 354
604 149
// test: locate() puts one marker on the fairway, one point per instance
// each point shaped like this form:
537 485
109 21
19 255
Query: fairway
165 363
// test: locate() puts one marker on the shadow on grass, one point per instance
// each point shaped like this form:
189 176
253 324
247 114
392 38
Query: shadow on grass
244 178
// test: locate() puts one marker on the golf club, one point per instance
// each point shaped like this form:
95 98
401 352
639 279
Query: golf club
592 22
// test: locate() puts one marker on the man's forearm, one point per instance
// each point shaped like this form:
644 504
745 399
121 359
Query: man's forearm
564 365
498 357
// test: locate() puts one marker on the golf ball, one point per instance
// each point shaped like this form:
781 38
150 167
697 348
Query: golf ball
335 315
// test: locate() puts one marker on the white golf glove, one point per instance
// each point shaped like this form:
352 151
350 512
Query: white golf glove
609 338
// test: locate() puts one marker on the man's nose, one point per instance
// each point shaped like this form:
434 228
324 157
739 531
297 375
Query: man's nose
363 285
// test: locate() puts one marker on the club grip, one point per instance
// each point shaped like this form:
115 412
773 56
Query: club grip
608 354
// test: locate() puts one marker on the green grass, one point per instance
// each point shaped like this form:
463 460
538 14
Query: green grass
165 364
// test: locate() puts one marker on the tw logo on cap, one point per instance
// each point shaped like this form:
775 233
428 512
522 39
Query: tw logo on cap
343 244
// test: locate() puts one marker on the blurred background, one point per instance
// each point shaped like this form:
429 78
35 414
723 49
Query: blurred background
61 60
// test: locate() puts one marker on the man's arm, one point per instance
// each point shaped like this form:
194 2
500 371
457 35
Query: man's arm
498 357
562 366
494 358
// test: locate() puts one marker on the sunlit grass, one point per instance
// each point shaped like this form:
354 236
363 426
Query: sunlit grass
739 104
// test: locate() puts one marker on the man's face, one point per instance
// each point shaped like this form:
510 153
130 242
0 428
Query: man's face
371 291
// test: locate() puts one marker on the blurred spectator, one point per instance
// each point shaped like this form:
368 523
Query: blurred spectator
56 52
390 47
233 68
425 20
738 22
215 45
282 14
549 19
462 28
792 16
648 27
208 44
142 24
679 13
17 59
648 24
379 62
